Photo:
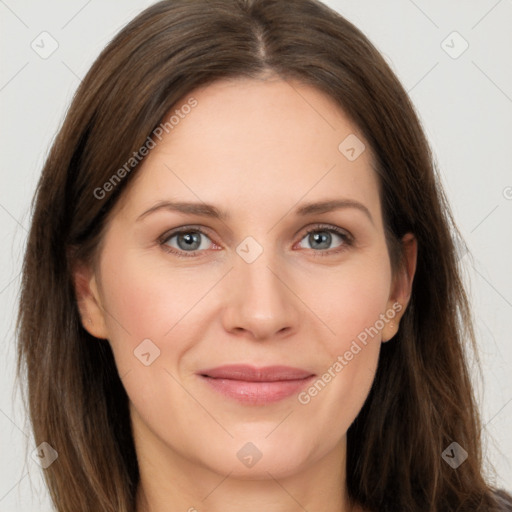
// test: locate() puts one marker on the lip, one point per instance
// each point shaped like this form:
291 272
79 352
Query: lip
256 386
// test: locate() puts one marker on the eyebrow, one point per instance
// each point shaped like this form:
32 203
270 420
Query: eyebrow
332 205
211 211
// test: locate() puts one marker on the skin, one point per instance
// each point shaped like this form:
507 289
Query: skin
258 150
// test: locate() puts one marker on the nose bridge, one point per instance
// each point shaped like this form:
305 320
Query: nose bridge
259 301
257 270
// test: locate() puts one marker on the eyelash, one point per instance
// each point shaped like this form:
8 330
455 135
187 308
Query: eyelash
347 239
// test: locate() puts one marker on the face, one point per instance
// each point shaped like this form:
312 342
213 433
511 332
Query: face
259 278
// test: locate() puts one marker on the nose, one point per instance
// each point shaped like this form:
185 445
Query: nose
260 301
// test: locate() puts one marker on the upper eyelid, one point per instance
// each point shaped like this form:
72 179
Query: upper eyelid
183 229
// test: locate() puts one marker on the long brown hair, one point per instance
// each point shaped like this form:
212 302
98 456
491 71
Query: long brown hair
422 398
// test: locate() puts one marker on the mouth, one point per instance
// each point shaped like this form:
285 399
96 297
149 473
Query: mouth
256 386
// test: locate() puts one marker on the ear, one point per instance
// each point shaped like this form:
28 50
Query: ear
89 303
402 286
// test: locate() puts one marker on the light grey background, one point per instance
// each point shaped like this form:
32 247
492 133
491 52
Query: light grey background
465 104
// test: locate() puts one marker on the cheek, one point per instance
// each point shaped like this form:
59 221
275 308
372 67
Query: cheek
351 301
144 300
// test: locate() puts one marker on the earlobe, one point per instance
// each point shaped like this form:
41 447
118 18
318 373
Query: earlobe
89 302
390 330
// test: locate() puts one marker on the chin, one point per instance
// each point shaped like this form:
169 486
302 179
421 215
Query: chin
260 458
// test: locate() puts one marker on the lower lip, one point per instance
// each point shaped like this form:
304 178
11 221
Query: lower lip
257 393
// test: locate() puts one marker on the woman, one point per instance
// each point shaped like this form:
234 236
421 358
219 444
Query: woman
186 343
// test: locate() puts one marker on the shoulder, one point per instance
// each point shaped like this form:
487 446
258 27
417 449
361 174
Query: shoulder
503 499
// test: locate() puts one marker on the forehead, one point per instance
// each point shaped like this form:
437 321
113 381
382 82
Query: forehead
246 138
